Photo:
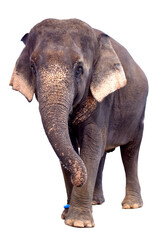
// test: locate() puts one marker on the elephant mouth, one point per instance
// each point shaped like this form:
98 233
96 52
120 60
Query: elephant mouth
84 111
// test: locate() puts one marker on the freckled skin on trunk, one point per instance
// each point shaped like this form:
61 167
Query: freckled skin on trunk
54 105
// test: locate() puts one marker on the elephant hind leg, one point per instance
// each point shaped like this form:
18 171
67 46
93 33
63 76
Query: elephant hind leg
98 197
129 155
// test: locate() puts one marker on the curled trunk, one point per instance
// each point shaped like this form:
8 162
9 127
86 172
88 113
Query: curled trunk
54 106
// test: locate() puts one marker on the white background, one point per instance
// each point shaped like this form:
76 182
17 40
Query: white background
32 192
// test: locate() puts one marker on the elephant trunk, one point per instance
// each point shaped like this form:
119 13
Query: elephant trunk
54 104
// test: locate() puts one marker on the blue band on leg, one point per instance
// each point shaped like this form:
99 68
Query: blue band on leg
67 206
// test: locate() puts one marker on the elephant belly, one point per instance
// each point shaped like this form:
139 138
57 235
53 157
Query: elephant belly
116 139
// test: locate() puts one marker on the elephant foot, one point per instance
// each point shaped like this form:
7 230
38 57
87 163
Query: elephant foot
98 199
64 213
132 201
78 217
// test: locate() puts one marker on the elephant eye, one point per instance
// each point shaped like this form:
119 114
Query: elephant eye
79 71
33 68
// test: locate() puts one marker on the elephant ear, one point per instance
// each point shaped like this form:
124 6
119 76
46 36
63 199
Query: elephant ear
22 77
108 75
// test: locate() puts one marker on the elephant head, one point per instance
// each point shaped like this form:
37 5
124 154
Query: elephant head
62 62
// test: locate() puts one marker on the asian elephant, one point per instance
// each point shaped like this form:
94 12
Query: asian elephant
92 98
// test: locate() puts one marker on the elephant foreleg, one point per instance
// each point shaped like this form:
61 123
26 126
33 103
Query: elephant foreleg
80 211
67 175
69 186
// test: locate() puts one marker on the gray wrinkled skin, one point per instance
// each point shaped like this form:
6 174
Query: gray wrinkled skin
92 97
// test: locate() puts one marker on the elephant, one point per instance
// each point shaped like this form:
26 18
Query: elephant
92 97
